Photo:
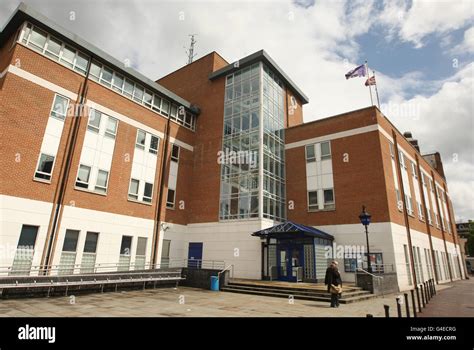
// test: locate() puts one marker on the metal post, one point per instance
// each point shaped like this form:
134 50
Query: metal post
427 291
369 316
407 307
387 310
413 302
369 266
399 307
434 288
418 298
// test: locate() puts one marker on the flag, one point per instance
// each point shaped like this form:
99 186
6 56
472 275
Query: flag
356 72
370 81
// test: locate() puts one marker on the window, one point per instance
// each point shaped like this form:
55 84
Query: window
141 136
106 76
70 241
429 217
60 106
392 152
126 245
409 204
67 57
81 63
402 159
128 88
175 153
37 38
138 93
101 183
165 107
313 200
90 246
148 192
148 98
95 70
325 150
170 198
118 82
94 120
53 49
27 238
413 170
45 167
420 211
111 129
407 264
156 103
154 144
328 198
83 176
310 154
133 190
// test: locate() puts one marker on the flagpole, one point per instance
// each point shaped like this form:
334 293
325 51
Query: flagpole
370 90
376 90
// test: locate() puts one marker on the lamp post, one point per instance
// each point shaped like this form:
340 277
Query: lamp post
365 220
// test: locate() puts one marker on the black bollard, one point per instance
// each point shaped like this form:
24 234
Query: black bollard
387 310
413 302
369 316
407 306
418 298
399 307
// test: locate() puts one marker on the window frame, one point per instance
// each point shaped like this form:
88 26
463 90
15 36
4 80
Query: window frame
325 156
312 159
172 156
140 145
170 205
131 195
313 207
82 182
53 113
330 205
108 133
147 199
93 128
104 188
35 177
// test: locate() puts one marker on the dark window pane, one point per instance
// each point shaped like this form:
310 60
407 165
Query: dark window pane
141 246
91 242
126 245
28 236
70 241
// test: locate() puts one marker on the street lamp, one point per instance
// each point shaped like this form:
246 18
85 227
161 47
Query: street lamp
365 220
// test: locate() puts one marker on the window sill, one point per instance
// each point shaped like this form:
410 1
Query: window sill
139 202
320 210
42 181
91 192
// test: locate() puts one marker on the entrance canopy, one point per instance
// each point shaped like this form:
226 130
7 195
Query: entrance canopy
291 230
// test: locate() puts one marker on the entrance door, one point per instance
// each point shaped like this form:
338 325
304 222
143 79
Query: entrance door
195 254
290 261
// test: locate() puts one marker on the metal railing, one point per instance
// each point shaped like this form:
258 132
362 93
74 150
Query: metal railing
229 267
38 270
379 279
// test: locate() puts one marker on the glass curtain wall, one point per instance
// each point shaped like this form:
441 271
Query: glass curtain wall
253 126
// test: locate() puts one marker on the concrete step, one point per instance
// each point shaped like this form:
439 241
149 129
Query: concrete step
294 286
315 297
293 291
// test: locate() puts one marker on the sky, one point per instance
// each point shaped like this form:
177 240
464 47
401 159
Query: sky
421 51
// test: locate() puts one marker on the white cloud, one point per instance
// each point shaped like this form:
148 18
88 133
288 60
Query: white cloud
467 45
424 17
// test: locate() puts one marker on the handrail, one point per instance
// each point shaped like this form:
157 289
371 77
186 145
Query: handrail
368 273
100 267
231 266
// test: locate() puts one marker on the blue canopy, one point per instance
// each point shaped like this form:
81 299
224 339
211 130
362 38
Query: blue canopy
290 229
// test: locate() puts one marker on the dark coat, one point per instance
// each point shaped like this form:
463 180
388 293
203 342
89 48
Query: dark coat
332 277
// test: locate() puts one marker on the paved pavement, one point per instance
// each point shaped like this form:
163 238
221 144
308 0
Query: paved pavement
197 302
457 301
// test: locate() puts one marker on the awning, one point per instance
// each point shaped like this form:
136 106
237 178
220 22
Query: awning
290 229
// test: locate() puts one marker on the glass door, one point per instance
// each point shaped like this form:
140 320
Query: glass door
24 251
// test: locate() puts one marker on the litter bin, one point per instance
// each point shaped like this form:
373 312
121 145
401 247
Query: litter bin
215 283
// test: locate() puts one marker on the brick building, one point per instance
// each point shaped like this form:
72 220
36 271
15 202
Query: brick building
103 166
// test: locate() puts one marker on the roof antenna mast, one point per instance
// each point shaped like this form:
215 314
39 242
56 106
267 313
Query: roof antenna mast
190 52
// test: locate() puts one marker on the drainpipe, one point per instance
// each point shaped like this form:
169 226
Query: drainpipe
425 211
405 214
48 252
156 233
